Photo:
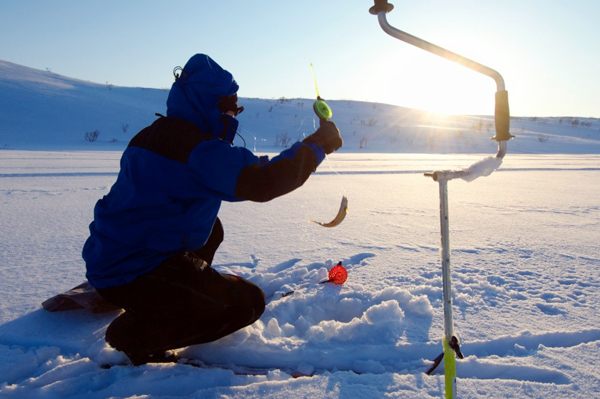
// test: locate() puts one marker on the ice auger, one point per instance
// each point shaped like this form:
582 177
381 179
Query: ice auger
450 343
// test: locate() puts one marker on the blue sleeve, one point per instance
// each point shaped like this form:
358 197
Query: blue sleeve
235 173
281 175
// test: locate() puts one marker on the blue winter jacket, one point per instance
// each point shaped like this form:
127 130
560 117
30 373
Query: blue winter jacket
174 175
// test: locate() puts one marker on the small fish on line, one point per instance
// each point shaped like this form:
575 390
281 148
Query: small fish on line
339 217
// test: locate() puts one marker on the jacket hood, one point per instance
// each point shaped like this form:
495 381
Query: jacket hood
196 92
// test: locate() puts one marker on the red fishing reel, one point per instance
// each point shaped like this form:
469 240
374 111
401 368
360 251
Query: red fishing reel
337 275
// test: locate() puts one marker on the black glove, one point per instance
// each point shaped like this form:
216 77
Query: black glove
327 136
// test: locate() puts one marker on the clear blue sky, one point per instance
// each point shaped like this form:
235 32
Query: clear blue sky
547 51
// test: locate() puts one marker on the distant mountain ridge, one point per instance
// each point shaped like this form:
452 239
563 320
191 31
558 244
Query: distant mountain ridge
41 110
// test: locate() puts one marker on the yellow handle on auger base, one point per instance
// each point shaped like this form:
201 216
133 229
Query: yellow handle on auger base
449 369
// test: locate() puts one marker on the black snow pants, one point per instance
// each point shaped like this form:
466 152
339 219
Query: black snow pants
180 303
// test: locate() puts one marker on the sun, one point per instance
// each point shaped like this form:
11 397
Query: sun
437 85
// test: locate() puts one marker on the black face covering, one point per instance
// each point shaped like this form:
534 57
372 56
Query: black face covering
229 103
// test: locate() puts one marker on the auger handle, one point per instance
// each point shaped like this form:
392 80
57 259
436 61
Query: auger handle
502 112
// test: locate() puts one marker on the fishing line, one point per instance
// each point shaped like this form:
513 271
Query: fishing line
314 79
331 167
328 113
302 124
320 106
324 113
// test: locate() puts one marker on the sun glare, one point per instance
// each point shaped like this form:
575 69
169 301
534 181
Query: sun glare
437 85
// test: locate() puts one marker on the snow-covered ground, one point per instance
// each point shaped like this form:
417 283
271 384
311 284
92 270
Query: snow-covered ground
525 259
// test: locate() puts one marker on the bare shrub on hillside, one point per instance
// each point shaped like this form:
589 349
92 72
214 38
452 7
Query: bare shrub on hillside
283 140
363 143
92 136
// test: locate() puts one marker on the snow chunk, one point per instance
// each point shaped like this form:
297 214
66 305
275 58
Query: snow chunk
305 369
483 168
377 322
368 366
273 328
17 363
418 305
386 312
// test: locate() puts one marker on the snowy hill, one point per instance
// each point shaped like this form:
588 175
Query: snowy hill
42 110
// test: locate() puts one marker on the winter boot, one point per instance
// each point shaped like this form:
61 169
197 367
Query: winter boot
124 335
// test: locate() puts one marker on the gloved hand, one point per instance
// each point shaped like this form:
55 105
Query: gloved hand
327 136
